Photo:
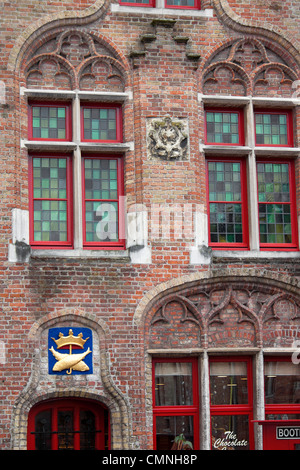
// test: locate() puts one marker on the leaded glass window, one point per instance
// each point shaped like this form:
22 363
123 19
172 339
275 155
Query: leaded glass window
101 124
224 127
226 202
51 199
272 129
275 202
49 122
137 2
101 201
182 4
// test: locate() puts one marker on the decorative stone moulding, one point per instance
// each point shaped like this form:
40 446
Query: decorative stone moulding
248 67
167 138
74 60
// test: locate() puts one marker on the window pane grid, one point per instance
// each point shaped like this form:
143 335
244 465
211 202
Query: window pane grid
182 3
271 129
222 127
100 124
225 195
146 2
274 203
101 200
48 122
50 199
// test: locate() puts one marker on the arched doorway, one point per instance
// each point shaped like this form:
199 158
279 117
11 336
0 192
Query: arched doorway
68 424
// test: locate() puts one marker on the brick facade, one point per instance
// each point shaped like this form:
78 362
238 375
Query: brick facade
167 294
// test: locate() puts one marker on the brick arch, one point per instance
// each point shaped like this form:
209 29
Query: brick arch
246 26
235 65
74 51
50 21
236 308
157 293
101 388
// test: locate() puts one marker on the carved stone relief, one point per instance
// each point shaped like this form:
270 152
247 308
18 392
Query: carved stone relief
227 316
75 59
167 138
248 67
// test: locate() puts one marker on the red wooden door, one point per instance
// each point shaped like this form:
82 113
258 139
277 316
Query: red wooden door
69 424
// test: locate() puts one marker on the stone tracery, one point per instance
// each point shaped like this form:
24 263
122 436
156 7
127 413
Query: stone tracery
226 317
248 67
77 60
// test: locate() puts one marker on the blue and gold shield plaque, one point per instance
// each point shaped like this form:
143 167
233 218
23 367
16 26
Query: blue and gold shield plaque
70 351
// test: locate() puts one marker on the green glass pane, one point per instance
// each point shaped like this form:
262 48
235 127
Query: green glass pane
61 134
53 123
61 112
103 113
36 122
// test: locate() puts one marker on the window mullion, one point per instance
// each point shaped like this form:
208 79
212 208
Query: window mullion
77 177
252 203
252 180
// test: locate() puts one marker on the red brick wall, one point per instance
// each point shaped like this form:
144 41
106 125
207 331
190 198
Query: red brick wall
47 292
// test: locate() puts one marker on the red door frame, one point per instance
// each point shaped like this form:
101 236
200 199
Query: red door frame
76 405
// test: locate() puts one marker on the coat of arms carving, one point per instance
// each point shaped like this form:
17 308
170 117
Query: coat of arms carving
70 351
167 138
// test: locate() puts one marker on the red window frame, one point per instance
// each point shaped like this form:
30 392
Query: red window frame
289 114
151 4
246 409
51 104
185 7
119 121
241 128
65 405
293 246
180 410
244 202
51 244
120 244
280 408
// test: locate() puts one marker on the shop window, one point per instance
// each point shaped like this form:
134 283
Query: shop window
68 425
282 389
49 122
277 204
228 220
50 192
224 127
273 128
102 183
231 400
175 403
101 123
